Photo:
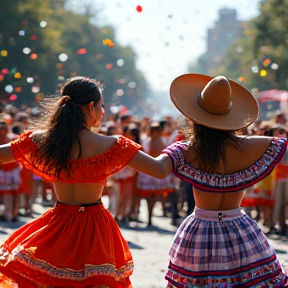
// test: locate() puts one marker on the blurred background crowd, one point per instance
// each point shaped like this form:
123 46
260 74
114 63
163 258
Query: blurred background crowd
266 202
135 50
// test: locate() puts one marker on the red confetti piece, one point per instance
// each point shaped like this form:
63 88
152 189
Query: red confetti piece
5 71
13 97
109 66
139 8
33 56
81 51
34 37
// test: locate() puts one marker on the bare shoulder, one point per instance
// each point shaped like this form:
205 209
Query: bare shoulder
256 141
106 142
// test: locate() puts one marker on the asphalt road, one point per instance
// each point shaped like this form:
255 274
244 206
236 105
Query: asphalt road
149 246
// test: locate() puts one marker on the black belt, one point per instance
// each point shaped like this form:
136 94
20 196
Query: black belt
83 205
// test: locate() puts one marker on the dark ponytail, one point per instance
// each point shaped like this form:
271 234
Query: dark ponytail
54 146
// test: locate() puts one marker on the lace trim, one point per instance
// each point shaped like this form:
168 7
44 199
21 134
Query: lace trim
22 262
226 183
93 170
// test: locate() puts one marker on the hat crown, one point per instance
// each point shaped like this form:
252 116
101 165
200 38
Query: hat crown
216 96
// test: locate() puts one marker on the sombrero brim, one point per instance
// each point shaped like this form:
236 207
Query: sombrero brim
185 89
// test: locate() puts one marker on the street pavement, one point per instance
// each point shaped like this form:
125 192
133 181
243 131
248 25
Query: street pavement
149 246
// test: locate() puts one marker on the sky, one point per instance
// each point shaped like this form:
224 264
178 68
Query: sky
167 35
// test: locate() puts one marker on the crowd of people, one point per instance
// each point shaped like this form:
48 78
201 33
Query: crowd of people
217 148
125 189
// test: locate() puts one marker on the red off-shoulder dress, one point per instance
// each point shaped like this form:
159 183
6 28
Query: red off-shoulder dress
69 246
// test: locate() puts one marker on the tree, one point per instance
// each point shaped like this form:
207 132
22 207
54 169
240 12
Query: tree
63 44
259 58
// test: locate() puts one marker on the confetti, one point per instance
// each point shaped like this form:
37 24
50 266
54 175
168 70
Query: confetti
63 57
263 73
108 42
5 71
13 97
26 50
139 8
4 53
30 80
43 24
17 75
266 62
33 56
8 88
35 89
81 51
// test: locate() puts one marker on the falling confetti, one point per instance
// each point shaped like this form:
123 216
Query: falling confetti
35 89
63 57
5 71
30 80
26 50
139 8
263 73
13 97
266 62
4 53
17 75
81 51
43 24
33 56
8 88
108 42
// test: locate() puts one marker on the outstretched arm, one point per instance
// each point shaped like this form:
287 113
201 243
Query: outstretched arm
158 167
6 154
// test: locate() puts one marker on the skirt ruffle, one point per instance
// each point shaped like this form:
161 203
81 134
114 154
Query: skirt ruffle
68 246
147 185
222 250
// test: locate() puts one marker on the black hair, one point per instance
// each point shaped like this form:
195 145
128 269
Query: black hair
54 146
210 145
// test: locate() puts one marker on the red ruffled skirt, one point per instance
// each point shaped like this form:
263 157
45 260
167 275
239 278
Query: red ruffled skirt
68 246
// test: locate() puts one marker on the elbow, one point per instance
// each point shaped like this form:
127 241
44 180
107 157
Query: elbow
163 173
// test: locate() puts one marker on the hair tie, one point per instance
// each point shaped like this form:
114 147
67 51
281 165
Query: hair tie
63 100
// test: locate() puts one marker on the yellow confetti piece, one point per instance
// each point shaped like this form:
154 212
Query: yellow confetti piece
263 73
4 53
108 42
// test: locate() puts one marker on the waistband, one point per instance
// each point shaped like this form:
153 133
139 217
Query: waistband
84 205
218 215
81 207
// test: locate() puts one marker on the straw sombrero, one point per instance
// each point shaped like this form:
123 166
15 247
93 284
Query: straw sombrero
216 103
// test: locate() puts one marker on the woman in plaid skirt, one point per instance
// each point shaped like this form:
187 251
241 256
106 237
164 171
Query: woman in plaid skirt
218 245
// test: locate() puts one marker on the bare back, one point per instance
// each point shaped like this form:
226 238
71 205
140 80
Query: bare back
252 149
91 145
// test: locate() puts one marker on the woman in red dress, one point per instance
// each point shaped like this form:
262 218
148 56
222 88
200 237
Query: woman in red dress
77 243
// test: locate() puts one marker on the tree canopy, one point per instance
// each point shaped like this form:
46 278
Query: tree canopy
45 44
259 58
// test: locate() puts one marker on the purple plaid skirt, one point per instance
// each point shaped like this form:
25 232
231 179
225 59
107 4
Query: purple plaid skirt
222 249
